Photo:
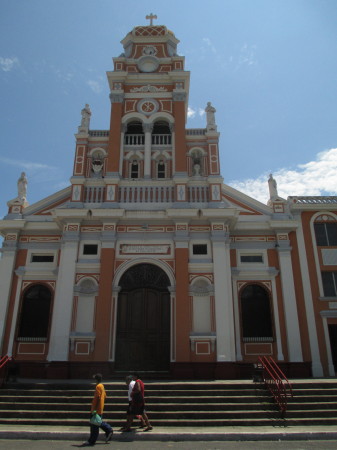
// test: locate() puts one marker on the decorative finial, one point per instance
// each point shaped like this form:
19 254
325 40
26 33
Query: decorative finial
150 18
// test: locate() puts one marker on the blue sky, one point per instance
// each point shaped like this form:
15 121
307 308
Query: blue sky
268 66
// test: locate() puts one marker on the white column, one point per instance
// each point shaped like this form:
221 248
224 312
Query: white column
121 149
113 329
147 149
19 273
280 355
237 321
173 144
290 305
172 291
63 303
224 316
6 273
317 369
325 315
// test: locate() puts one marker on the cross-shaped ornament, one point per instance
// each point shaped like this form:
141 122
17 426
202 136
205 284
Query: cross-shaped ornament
150 18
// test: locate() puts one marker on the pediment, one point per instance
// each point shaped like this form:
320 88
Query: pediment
46 206
244 203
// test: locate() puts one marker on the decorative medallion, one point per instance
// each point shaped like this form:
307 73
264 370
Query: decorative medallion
149 50
148 106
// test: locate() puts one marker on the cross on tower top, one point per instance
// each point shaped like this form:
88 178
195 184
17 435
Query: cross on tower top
150 18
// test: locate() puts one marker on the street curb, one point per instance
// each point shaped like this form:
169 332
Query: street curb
174 436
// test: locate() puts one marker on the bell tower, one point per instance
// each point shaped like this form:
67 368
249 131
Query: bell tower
148 155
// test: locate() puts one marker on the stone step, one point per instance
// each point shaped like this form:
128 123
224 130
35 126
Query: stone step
150 393
177 404
79 407
240 422
7 399
174 415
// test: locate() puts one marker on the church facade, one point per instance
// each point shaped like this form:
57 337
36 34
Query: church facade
148 261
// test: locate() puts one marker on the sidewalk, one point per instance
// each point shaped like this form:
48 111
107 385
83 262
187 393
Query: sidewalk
269 433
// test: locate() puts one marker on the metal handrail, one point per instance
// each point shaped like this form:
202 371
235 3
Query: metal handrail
276 382
3 361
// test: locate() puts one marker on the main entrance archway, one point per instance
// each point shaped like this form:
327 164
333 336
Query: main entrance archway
143 320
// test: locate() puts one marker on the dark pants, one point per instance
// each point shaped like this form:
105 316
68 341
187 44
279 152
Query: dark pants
94 432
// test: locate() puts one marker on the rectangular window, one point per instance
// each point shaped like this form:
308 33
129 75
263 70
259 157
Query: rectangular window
90 249
326 234
161 170
199 249
42 258
329 280
251 258
134 170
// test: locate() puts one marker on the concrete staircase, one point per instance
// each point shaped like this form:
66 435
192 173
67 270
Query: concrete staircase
176 404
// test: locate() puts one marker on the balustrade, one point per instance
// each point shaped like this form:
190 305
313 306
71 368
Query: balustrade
99 133
198 194
146 194
139 139
134 139
94 194
161 139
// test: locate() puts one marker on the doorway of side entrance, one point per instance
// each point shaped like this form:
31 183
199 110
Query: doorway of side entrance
143 320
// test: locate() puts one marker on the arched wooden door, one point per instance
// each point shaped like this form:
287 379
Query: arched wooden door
143 320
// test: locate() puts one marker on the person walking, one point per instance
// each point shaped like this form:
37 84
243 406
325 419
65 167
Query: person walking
137 406
138 400
130 382
97 407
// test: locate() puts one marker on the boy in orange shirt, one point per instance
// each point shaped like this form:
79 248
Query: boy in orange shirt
97 407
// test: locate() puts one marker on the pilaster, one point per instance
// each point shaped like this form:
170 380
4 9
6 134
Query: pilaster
117 101
289 300
317 369
7 264
63 301
182 304
225 337
104 307
179 135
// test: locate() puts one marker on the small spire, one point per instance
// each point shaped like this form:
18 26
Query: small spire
150 18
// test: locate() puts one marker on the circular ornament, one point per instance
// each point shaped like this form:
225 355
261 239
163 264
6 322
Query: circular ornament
148 64
148 106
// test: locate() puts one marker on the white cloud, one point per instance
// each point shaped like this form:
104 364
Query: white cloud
191 112
315 178
27 165
96 86
7 64
209 46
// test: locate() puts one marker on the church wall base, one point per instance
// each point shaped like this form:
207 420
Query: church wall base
65 370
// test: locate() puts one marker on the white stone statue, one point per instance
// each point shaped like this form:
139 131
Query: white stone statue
86 114
196 170
22 187
210 117
272 187
97 164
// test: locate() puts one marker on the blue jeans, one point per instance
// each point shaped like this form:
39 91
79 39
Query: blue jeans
94 432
